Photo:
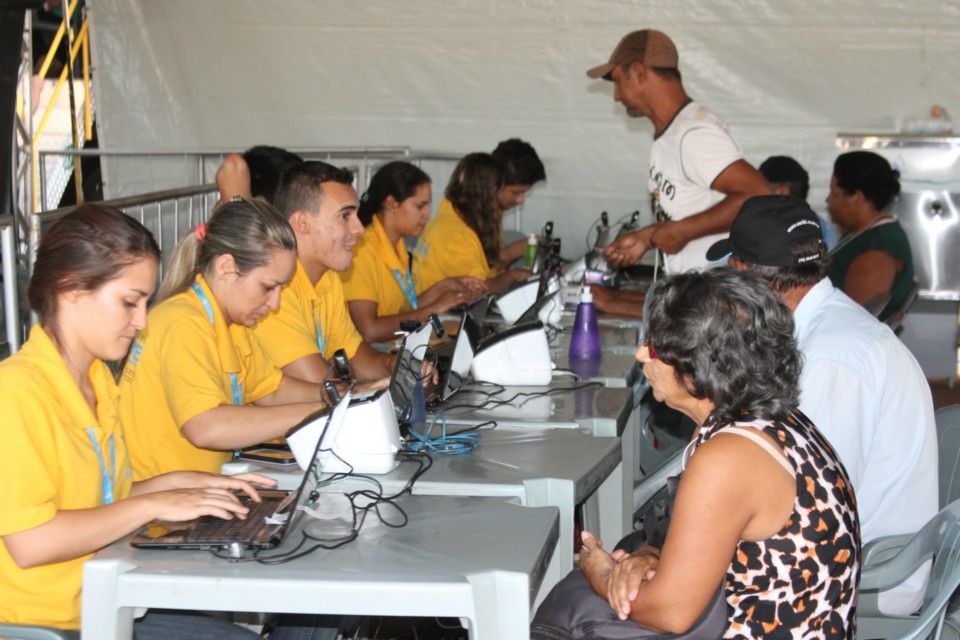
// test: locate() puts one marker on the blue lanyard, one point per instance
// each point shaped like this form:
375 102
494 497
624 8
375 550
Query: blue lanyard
407 286
106 477
235 385
321 341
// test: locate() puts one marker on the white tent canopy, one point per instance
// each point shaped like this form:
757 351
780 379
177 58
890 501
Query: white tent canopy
460 75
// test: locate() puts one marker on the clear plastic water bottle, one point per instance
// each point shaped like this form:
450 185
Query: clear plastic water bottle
585 341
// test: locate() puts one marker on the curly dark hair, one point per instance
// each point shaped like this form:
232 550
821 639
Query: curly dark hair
730 339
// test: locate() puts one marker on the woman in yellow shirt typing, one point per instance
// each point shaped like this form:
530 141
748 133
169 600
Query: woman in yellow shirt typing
66 474
464 238
378 286
197 385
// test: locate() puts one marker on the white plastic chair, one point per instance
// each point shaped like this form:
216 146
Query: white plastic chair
939 539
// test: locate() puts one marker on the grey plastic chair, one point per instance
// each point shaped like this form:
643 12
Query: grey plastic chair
877 304
896 319
948 439
939 539
22 632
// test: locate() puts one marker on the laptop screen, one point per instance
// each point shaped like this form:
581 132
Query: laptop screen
461 360
406 371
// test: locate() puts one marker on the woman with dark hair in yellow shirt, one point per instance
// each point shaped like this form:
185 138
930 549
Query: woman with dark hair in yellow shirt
464 238
378 286
191 378
66 475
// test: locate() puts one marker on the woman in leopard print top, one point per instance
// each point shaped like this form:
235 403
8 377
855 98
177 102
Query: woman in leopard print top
764 506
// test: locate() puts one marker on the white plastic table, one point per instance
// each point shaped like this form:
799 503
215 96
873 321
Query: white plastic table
559 467
478 559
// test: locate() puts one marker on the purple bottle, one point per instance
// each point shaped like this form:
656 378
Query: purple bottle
585 341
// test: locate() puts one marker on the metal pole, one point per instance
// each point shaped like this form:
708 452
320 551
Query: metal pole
78 176
11 299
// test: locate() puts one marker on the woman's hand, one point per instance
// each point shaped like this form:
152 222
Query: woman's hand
473 286
179 505
448 300
596 564
626 578
200 480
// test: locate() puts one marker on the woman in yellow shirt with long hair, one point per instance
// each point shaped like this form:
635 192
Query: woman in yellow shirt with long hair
197 385
378 286
67 480
464 238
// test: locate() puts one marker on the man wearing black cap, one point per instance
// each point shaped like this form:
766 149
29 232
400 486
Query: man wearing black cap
859 384
698 178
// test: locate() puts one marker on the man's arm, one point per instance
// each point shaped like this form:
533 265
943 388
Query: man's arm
626 303
233 178
513 251
371 365
739 181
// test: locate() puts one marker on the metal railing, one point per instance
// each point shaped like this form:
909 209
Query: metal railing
170 213
13 330
201 165
167 214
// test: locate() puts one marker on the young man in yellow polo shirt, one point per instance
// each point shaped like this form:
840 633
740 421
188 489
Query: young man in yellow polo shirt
312 322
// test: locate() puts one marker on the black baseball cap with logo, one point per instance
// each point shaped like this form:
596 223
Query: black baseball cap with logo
766 231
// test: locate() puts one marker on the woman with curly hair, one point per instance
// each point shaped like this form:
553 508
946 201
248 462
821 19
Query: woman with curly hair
763 533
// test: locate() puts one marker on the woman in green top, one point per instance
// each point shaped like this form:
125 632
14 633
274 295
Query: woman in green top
872 262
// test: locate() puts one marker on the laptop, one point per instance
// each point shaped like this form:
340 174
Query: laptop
453 363
453 360
269 521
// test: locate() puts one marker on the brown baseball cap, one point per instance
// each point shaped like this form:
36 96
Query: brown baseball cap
649 46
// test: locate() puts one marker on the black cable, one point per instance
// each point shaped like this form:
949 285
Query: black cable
530 394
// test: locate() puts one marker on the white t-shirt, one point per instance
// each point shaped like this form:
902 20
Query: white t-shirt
685 160
867 394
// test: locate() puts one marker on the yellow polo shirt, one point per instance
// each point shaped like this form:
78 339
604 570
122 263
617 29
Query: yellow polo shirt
306 312
178 368
448 248
50 464
376 272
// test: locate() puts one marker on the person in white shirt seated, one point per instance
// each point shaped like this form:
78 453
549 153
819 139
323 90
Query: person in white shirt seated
860 385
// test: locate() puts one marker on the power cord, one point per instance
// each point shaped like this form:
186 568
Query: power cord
372 501
445 443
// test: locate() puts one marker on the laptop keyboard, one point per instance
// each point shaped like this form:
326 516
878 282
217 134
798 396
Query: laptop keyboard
212 530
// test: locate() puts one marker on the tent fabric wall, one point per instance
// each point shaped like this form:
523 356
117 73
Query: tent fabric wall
461 75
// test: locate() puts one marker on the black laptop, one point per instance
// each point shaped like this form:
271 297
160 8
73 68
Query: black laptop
267 522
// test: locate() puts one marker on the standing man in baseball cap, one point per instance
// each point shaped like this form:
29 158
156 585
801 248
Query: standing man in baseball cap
698 178
859 384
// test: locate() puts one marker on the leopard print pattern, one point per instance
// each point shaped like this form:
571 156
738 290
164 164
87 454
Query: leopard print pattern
802 582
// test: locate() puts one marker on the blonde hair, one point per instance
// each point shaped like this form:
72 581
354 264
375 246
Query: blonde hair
250 230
